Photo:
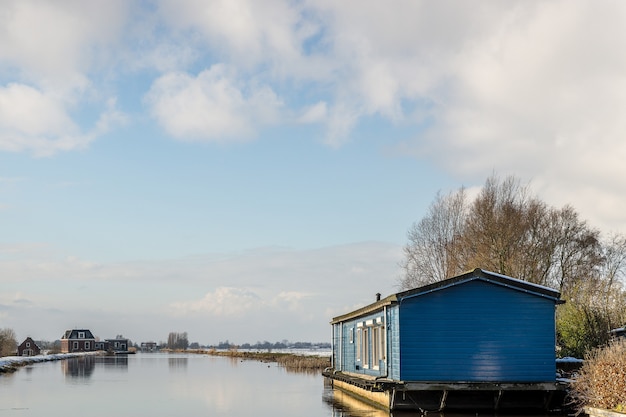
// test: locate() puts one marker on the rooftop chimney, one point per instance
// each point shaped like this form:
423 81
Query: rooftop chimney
377 296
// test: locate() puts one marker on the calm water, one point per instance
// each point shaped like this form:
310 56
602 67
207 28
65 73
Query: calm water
172 385
162 385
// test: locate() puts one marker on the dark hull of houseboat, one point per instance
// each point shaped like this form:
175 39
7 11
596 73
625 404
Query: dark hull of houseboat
429 396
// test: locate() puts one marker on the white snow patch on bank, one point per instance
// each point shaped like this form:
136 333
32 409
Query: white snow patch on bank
7 363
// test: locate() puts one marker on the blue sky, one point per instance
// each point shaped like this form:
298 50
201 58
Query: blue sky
247 170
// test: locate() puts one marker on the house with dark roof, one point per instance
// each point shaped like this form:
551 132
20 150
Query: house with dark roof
78 340
479 335
119 344
102 345
28 348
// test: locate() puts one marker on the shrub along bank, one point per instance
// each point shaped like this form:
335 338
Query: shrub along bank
601 382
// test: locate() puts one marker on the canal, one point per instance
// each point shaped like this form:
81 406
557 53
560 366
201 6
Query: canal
171 385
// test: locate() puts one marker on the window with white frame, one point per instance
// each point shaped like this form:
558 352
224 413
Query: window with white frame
81 335
371 343
87 346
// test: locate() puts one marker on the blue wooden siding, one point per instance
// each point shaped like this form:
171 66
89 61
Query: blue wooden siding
393 342
345 340
348 347
475 331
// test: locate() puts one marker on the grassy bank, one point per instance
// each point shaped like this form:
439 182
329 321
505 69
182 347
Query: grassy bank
289 361
601 382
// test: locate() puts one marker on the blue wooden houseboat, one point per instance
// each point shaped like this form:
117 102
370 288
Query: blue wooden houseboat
479 340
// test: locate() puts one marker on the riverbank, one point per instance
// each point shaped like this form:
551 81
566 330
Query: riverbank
290 361
10 364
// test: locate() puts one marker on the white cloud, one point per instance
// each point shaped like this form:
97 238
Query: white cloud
231 302
314 113
214 106
36 121
540 94
26 112
244 32
54 44
48 55
223 302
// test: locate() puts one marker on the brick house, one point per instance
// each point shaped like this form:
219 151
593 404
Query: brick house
78 340
28 348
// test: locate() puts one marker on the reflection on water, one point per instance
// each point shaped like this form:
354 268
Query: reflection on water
81 369
177 364
345 405
113 361
155 384
78 368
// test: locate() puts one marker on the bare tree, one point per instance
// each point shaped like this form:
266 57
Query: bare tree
578 253
497 228
177 340
8 343
432 253
613 272
507 230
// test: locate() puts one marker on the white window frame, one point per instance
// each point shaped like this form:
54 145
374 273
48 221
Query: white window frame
376 347
81 335
87 346
365 347
359 344
371 343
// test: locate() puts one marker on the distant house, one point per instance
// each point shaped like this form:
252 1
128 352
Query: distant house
118 344
102 345
28 348
477 328
148 346
78 340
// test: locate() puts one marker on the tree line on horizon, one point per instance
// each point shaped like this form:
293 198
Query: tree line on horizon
265 345
175 341
180 341
507 230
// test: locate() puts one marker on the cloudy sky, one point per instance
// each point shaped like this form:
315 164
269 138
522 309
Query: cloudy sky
245 170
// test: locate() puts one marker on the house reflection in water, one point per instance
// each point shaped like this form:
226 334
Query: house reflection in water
83 367
114 361
177 364
78 368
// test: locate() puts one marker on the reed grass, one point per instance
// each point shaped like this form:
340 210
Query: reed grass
290 361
